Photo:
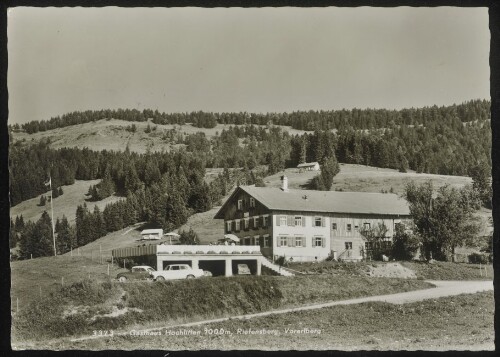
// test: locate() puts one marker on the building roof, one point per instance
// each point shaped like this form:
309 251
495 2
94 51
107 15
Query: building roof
152 231
307 164
325 201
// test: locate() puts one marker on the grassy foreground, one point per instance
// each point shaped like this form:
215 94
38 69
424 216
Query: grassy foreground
422 270
463 322
83 307
450 271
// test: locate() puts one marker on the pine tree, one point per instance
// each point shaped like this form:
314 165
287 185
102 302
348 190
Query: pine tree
329 169
99 227
65 240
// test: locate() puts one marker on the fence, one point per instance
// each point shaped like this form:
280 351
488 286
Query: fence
106 267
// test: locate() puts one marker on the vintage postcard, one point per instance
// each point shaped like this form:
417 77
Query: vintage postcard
250 179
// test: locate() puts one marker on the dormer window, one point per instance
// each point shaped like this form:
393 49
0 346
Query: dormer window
252 202
240 205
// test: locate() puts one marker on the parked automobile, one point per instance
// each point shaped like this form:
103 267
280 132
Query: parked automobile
140 272
243 269
177 271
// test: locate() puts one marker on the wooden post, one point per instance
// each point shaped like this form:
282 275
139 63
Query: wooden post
31 254
112 260
123 263
485 271
62 280
71 251
100 254
17 304
79 251
108 269
480 269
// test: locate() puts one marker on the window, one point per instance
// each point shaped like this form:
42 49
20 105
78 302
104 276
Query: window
237 225
348 245
246 223
283 241
228 226
318 241
267 242
299 241
356 227
264 221
183 267
368 245
282 221
349 227
248 241
252 202
240 204
318 222
367 226
298 221
256 222
334 226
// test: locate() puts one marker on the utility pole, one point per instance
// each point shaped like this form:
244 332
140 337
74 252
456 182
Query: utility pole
52 215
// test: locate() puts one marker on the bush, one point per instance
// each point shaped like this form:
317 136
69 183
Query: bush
478 258
405 244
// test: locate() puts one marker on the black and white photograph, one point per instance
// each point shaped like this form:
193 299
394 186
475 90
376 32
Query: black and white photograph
275 178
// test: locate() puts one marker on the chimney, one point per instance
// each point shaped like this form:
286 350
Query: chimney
284 183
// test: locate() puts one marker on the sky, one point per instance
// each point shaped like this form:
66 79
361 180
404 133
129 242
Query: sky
254 60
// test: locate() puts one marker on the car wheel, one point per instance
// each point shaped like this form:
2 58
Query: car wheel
190 276
122 279
160 278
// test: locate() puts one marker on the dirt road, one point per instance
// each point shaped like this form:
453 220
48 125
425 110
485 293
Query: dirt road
442 289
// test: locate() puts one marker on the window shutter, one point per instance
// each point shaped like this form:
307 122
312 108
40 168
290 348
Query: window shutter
322 221
250 223
303 221
323 242
233 225
289 220
278 241
303 241
277 220
290 242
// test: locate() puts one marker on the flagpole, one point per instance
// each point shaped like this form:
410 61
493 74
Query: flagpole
52 215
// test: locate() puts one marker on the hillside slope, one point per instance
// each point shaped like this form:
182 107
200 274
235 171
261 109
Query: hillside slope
66 204
113 135
360 178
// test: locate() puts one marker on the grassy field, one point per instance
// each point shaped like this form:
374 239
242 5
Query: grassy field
360 178
463 322
450 271
66 204
420 270
113 135
91 305
31 279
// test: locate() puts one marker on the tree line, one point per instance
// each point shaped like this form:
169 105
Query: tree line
303 120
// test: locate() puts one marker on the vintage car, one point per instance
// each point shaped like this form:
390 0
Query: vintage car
177 271
140 272
243 269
